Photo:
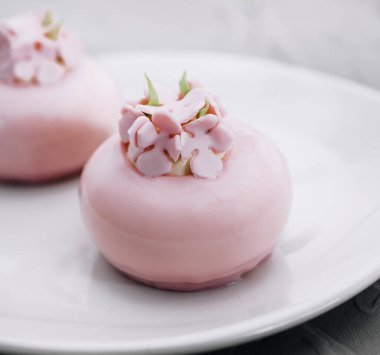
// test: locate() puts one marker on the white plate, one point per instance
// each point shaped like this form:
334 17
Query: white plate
58 294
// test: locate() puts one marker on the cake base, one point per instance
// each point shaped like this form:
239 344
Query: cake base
196 286
50 131
182 232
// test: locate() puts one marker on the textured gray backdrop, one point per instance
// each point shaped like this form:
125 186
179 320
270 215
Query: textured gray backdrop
338 36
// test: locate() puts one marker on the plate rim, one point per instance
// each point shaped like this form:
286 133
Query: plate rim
224 336
243 331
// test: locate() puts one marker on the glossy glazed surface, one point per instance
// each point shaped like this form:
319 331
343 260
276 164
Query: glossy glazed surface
50 131
184 232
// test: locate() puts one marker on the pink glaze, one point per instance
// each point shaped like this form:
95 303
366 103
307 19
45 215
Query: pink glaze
49 131
182 232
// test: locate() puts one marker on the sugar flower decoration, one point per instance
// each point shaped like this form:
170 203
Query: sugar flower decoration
35 49
203 140
176 134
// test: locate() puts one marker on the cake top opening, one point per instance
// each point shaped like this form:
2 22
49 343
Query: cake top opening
170 133
36 49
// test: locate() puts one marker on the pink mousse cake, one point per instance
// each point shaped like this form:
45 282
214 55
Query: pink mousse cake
185 198
56 105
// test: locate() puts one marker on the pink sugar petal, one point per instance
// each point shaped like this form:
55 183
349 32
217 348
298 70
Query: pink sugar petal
222 112
48 49
6 65
147 109
177 143
69 53
146 135
188 147
136 125
5 47
69 48
202 124
164 120
49 72
22 52
153 163
215 107
184 114
221 138
173 147
124 124
134 152
200 93
6 71
128 109
129 116
195 95
206 164
24 70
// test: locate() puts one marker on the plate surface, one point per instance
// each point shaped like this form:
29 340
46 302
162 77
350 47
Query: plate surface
57 294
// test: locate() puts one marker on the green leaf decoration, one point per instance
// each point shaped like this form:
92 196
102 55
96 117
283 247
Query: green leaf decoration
204 109
47 19
152 93
54 32
184 85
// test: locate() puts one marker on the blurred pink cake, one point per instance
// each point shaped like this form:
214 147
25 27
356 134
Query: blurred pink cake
185 199
56 104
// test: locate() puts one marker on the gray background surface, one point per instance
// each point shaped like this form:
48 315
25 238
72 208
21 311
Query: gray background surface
337 36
